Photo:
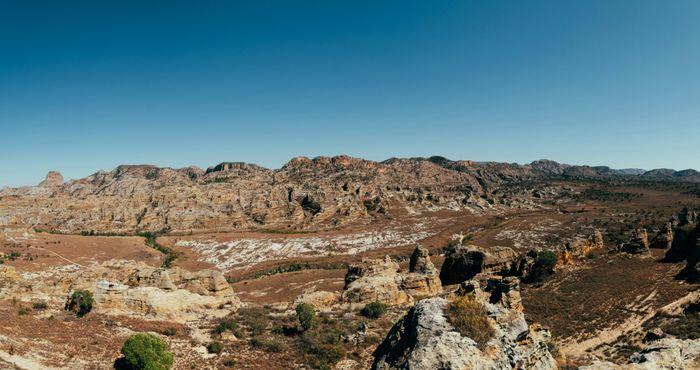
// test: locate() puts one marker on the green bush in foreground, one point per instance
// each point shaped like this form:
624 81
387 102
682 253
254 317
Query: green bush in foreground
146 351
306 314
373 310
80 302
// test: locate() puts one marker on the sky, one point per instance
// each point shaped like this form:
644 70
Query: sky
89 85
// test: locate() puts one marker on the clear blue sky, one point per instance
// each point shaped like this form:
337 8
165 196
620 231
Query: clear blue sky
88 85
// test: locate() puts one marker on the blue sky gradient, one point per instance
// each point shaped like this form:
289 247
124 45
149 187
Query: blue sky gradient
88 85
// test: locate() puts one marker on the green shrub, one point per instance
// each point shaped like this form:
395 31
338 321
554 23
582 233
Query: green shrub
169 331
268 345
80 302
23 311
470 318
215 347
224 326
321 349
373 310
147 352
543 266
306 314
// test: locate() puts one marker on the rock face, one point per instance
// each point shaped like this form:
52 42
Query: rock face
464 262
380 280
53 179
425 339
665 353
638 243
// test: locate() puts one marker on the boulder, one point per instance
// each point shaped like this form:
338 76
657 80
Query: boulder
464 262
664 239
321 300
425 339
638 243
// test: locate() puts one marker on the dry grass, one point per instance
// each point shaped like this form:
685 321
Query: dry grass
469 317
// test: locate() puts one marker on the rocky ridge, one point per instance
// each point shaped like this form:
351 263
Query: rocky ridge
304 194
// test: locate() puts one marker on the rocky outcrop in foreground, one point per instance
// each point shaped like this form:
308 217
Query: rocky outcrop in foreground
425 338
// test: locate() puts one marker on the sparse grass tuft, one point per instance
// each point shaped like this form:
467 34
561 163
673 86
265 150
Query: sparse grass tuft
470 318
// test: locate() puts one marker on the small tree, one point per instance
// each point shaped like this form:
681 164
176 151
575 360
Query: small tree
306 314
80 302
373 310
146 351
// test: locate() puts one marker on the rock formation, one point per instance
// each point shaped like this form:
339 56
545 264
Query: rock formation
664 239
53 179
686 245
638 243
665 353
380 280
133 289
464 262
425 339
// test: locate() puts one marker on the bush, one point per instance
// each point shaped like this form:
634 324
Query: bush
321 349
39 306
215 347
225 325
543 266
306 314
169 331
373 310
23 311
80 302
470 318
147 351
268 345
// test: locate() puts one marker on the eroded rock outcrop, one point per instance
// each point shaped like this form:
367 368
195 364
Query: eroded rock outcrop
382 281
135 289
425 339
686 245
638 242
464 262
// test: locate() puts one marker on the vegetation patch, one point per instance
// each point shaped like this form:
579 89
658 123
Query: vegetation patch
470 319
373 310
152 241
306 315
147 351
80 302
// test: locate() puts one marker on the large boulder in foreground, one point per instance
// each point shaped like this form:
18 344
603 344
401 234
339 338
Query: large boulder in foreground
425 339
